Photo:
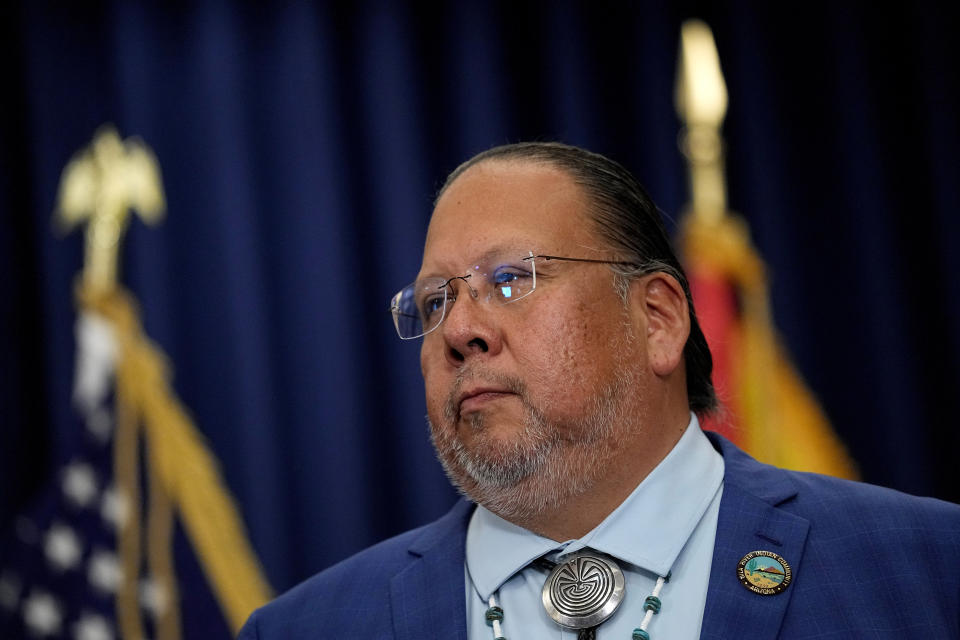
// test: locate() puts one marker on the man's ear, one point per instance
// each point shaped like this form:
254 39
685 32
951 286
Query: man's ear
659 305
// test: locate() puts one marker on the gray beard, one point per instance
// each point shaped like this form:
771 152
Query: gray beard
546 463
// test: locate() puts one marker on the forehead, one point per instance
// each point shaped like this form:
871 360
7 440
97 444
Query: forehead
507 205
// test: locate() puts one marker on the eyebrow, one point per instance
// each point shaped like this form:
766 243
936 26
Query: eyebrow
497 250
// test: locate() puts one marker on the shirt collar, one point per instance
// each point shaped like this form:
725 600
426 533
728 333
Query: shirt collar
648 530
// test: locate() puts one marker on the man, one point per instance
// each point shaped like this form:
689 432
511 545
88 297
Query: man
564 370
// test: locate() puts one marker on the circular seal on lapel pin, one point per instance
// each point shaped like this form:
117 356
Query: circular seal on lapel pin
764 572
583 591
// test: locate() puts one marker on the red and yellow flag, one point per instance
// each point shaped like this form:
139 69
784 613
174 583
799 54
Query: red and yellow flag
767 409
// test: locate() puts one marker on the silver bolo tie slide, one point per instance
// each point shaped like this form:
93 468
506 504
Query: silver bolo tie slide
583 591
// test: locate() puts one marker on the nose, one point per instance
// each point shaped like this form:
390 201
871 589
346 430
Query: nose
471 329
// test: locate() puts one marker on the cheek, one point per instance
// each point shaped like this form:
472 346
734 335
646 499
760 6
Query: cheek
570 358
435 388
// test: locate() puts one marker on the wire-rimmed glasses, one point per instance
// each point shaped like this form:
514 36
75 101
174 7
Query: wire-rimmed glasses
421 306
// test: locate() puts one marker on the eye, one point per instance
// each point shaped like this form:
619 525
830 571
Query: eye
510 274
511 283
431 305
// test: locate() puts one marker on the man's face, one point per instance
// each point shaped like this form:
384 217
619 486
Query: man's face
527 400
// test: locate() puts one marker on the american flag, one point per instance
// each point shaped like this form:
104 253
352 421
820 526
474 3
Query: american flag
59 568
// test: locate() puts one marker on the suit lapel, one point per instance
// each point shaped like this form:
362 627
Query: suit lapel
428 598
750 519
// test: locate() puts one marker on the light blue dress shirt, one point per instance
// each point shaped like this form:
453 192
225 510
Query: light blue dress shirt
667 524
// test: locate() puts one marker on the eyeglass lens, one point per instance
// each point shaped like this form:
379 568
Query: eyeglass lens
421 306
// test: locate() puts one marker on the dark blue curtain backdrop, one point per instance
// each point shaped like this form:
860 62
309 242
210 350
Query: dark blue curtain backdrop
301 144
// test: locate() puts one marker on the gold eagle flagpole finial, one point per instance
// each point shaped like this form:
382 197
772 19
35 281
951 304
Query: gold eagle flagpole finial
101 184
154 437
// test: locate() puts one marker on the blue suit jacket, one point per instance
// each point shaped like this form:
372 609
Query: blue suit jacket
867 563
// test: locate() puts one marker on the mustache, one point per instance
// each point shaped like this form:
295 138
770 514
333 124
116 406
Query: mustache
479 375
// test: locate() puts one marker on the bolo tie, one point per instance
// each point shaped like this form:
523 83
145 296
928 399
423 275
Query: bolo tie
581 593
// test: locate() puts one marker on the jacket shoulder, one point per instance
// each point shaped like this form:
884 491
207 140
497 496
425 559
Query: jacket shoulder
836 496
882 525
833 503
355 591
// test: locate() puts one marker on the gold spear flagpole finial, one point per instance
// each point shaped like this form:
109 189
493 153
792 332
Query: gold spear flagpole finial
768 409
101 184
701 102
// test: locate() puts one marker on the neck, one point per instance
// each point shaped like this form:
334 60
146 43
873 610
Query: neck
623 471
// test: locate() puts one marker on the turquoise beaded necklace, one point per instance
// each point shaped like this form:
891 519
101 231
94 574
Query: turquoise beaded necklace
494 614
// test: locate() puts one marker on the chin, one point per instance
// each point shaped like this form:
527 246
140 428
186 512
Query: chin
519 476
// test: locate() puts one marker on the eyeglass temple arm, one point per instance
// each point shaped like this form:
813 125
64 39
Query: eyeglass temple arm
545 257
